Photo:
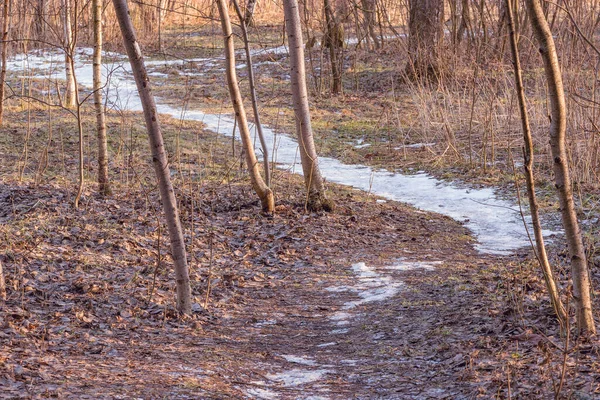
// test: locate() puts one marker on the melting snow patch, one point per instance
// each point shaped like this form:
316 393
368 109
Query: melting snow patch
296 377
299 360
373 286
339 331
265 323
404 265
263 394
414 146
327 344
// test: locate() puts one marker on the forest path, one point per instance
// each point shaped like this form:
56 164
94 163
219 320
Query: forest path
377 300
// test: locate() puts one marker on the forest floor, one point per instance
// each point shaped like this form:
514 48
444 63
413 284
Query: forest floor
374 300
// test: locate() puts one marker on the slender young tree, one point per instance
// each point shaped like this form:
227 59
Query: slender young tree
334 41
262 190
159 156
5 25
2 284
103 183
316 198
253 96
528 168
68 48
556 94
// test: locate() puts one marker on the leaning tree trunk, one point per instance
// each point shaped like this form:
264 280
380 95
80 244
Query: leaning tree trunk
528 167
313 180
69 48
581 282
425 34
262 190
159 156
5 22
103 183
253 97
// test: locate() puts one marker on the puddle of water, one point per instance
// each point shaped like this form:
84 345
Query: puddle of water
495 222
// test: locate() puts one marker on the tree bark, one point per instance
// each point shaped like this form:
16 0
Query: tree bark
579 272
69 48
2 284
253 97
316 198
248 16
369 7
5 25
103 183
159 156
425 34
528 169
334 40
262 190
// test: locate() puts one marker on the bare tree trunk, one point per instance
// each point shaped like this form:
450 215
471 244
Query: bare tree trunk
69 48
248 16
39 22
528 167
2 284
80 136
334 40
313 180
262 190
369 7
581 283
159 156
160 20
103 183
261 136
426 33
5 25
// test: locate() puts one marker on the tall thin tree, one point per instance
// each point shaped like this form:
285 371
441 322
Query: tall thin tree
69 49
316 198
558 125
262 190
159 156
103 183
334 41
530 181
253 96
5 25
